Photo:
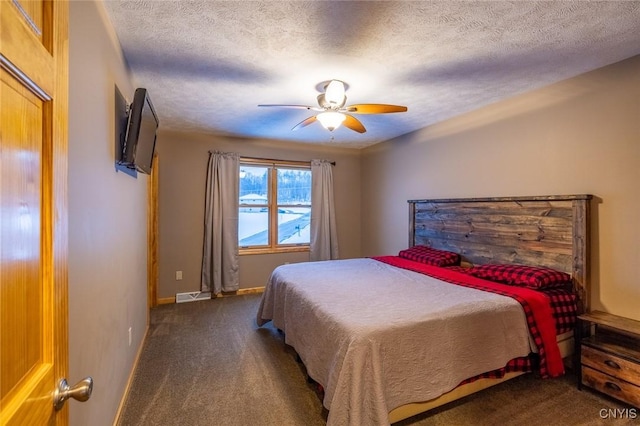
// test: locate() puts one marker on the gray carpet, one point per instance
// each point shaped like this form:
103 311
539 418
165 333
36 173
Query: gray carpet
207 363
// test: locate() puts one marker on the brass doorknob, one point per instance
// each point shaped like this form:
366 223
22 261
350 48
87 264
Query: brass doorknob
81 391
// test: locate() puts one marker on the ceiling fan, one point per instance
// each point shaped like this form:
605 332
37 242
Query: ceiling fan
333 112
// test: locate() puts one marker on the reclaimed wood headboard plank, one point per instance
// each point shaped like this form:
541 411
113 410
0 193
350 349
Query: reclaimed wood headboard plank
550 231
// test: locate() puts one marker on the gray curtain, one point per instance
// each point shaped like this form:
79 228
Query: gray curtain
324 237
220 252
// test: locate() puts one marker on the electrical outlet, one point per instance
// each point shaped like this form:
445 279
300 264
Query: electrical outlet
129 336
178 275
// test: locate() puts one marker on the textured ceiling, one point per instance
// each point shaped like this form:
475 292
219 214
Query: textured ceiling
208 64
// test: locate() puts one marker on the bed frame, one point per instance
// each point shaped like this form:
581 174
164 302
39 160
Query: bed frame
550 231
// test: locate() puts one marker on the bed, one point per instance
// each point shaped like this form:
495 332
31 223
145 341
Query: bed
389 337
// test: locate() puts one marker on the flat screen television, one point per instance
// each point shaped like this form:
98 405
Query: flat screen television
140 140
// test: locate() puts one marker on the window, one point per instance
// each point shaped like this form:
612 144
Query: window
275 206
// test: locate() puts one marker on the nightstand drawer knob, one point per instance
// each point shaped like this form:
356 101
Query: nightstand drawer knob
612 364
612 386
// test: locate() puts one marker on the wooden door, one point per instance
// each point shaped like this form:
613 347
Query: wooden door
33 209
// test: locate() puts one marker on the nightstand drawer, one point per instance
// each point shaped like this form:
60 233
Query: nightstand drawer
612 365
611 386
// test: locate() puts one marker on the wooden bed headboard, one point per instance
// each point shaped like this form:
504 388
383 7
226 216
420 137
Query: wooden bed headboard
551 231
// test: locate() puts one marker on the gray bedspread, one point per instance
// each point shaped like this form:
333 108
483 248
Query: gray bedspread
377 337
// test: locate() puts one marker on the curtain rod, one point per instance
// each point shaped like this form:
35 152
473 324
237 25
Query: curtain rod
333 163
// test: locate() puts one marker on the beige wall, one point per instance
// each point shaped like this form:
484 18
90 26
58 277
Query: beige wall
182 168
579 136
107 224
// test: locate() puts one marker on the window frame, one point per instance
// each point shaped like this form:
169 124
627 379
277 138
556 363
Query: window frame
272 205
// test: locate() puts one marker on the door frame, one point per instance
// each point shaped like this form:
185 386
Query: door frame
152 235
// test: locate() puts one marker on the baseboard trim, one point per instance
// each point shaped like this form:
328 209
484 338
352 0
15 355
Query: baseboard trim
131 376
166 300
239 292
242 291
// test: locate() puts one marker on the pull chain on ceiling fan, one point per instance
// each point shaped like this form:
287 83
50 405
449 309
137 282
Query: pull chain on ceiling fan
333 113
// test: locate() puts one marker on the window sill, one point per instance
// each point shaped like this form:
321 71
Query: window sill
269 250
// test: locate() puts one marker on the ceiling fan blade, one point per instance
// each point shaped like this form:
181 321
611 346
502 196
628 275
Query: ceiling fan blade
353 124
305 122
292 106
374 108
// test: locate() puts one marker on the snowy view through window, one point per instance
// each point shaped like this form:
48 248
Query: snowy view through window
293 205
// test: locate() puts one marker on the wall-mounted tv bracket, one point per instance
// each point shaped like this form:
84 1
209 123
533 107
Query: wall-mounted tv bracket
122 112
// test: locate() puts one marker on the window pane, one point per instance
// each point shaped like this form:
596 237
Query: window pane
293 225
254 185
253 226
294 186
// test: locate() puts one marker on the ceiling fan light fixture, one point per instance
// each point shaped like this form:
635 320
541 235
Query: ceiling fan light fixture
333 113
334 93
331 120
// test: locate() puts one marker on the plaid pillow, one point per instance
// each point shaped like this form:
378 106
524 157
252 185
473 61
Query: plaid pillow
535 277
430 256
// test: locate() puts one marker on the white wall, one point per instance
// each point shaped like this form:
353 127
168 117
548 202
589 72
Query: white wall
107 223
578 136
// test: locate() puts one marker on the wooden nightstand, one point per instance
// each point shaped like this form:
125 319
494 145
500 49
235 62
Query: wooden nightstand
609 359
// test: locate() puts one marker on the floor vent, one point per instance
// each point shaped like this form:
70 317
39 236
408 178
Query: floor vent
192 296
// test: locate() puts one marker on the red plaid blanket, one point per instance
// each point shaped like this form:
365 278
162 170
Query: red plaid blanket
535 305
564 306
